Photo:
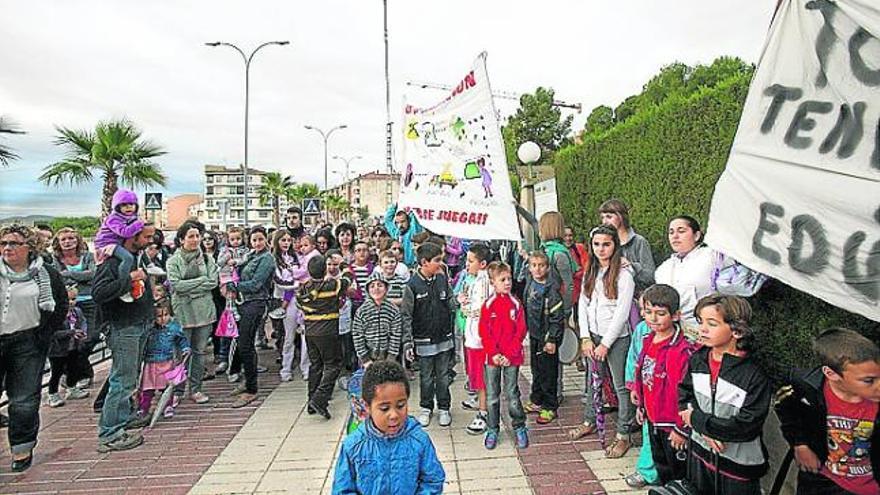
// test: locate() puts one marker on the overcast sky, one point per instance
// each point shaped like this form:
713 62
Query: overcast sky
76 63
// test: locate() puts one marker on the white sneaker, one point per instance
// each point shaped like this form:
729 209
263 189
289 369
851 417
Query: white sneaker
55 400
126 297
478 425
444 419
277 314
424 417
286 377
155 271
75 393
232 377
471 404
84 383
221 368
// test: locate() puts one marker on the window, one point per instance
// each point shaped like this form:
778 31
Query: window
238 190
264 214
209 203
209 179
239 178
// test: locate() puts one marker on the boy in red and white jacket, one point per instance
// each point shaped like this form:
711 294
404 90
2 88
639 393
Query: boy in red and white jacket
660 367
502 330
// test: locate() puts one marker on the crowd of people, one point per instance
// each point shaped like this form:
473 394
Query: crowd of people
668 346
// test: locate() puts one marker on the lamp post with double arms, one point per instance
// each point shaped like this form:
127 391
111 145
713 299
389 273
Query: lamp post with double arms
347 162
247 67
325 136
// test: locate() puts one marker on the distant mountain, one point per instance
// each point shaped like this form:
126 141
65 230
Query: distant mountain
27 220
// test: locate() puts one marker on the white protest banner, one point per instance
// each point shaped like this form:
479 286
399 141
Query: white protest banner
800 197
455 172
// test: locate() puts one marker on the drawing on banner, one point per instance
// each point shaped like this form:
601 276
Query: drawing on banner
454 157
799 197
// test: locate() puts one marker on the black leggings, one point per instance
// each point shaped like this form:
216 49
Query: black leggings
60 366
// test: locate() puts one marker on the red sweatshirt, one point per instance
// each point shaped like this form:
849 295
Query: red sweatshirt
503 328
662 376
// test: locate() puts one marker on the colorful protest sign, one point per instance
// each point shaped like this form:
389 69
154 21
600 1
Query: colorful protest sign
454 170
800 197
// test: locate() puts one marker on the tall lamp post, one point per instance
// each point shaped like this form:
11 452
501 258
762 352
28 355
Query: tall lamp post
247 68
347 162
529 153
326 136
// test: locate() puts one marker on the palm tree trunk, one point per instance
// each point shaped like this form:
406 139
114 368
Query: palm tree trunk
110 187
276 215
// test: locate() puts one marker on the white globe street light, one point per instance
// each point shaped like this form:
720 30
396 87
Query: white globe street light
529 153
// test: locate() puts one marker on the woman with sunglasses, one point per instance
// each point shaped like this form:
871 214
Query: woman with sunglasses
33 305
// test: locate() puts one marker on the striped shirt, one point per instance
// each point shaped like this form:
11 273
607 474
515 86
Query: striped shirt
377 330
320 301
361 274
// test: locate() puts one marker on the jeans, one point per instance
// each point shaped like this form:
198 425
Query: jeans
21 369
617 363
252 313
126 259
325 362
434 380
545 375
65 365
127 346
198 339
506 377
221 348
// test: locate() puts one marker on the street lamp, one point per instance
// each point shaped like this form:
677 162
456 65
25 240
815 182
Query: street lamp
247 68
529 153
347 162
326 136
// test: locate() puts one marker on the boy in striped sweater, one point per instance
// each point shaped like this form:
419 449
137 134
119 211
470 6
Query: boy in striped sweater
377 327
389 272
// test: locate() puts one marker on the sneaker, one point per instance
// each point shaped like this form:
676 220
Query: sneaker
126 441
286 377
444 418
243 400
155 271
342 383
531 408
471 404
491 440
424 417
75 393
545 417
477 425
277 313
55 400
522 437
221 367
262 369
636 480
169 412
140 420
199 397
84 383
319 409
233 377
238 390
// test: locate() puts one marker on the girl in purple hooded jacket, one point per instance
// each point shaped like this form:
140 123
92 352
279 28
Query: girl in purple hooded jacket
122 223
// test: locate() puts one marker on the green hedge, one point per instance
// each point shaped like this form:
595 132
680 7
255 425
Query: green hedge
664 162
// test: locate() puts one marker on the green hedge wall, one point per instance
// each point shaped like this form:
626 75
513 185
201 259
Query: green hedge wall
664 162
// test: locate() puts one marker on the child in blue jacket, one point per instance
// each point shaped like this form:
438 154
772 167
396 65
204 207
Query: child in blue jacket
165 340
389 452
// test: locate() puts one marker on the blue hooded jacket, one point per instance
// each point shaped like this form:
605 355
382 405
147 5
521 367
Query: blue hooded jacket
405 238
371 463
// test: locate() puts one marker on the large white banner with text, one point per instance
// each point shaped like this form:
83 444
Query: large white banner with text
800 197
454 170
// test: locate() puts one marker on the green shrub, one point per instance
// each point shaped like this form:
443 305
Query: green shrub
664 162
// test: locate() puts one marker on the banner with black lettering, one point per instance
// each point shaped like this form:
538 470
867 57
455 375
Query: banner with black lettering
454 169
800 197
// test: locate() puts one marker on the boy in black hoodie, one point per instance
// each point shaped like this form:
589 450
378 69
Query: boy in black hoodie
725 398
829 416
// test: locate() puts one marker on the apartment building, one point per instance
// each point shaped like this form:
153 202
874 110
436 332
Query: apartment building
370 191
223 204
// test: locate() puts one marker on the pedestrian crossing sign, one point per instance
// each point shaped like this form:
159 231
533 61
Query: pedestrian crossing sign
311 206
153 201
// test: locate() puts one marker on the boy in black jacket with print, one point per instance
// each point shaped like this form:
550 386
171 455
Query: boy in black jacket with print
830 416
725 398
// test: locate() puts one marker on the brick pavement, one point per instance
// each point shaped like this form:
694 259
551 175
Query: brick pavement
173 458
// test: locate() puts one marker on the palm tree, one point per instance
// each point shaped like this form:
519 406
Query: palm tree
274 186
336 206
6 153
301 191
114 150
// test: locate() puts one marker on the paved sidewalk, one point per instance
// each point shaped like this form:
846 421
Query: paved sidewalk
281 449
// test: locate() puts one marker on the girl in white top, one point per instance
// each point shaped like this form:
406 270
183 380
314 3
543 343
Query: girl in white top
691 269
603 319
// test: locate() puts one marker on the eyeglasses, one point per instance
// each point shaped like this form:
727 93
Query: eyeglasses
11 244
